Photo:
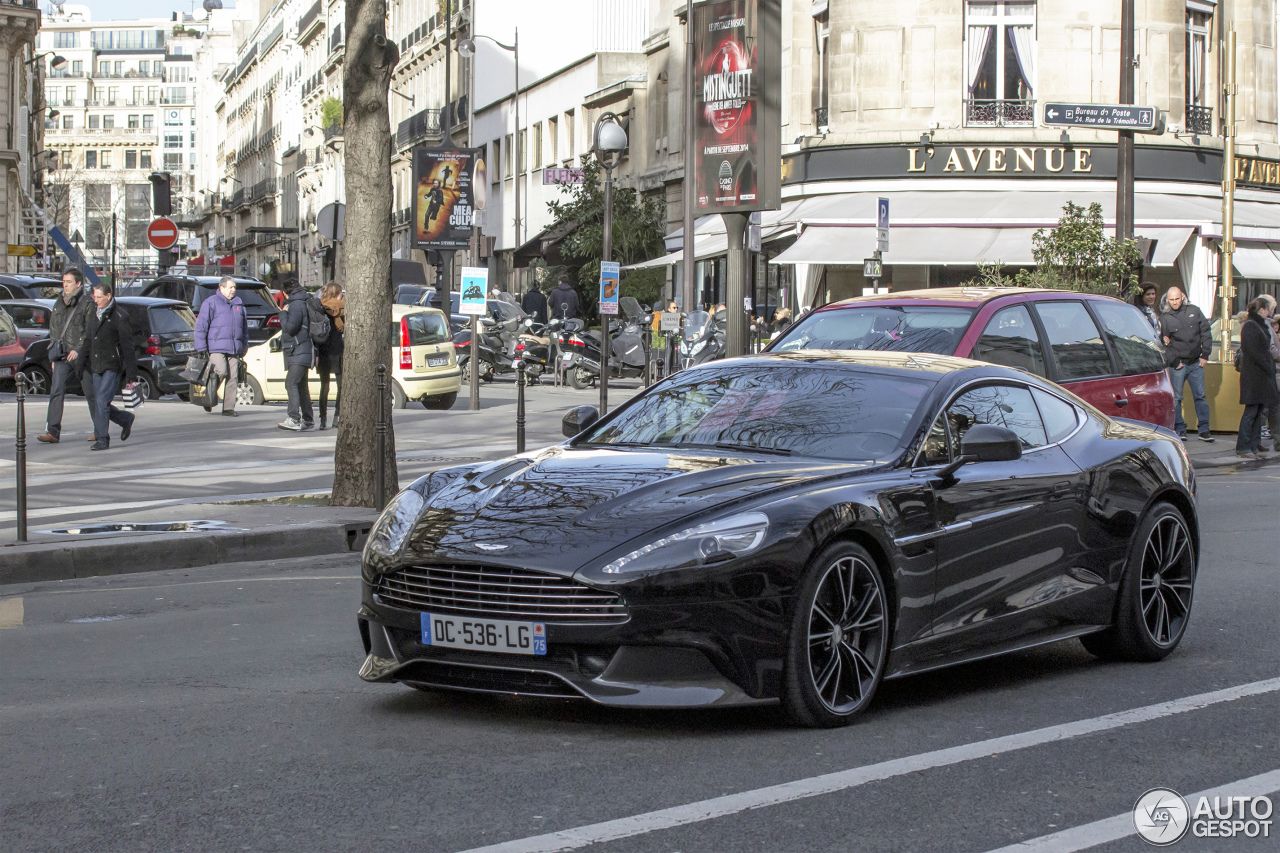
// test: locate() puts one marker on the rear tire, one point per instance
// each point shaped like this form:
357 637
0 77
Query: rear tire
249 393
839 639
149 389
579 378
398 398
1154 604
440 401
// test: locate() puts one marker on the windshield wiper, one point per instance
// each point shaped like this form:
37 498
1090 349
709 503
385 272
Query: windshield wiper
772 451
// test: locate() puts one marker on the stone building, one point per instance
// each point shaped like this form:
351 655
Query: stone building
21 102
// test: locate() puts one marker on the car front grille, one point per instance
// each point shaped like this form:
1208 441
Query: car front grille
500 593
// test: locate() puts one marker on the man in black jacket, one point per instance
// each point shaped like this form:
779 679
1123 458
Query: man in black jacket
564 301
535 305
66 339
1188 341
109 354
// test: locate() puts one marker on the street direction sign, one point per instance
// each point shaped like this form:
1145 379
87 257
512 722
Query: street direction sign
162 233
475 284
882 225
608 287
872 268
1100 116
21 251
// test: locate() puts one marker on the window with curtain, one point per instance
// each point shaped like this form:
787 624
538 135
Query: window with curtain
1000 61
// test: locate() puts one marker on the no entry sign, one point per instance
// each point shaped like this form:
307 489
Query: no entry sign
162 233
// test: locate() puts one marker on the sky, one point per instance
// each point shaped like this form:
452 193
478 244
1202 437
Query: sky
105 10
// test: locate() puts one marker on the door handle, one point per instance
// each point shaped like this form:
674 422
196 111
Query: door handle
1122 401
1060 489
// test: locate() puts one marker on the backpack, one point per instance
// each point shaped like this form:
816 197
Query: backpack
318 324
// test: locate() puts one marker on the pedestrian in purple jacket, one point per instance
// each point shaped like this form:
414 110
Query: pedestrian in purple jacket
222 331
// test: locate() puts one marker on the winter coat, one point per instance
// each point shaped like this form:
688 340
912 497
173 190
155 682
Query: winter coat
563 302
336 308
295 336
1188 333
222 326
1257 368
1152 316
69 322
535 305
108 343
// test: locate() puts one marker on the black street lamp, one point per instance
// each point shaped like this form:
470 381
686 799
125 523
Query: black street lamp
610 143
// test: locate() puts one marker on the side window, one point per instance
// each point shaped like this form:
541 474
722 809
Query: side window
1000 405
1131 336
1059 417
22 316
1010 339
937 448
1074 339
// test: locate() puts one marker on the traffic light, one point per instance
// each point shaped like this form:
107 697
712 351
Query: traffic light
161 197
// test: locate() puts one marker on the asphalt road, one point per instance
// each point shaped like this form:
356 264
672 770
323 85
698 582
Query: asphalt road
178 452
219 709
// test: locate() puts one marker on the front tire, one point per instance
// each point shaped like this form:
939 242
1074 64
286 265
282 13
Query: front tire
1154 604
38 380
839 639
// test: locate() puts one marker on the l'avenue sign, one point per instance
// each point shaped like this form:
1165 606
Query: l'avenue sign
981 159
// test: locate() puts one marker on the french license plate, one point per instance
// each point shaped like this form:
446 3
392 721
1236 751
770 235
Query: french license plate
484 635
253 324
6 371
438 361
184 347
566 360
515 365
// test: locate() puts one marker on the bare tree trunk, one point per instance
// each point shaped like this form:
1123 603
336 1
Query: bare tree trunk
370 59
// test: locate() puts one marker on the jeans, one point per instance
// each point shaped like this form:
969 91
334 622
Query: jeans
329 365
1191 373
1249 440
57 394
295 382
227 367
105 386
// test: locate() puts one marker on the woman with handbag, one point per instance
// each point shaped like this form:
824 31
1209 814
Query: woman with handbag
1258 387
222 331
329 353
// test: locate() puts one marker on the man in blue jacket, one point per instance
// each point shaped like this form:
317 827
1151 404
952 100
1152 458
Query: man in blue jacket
299 358
222 331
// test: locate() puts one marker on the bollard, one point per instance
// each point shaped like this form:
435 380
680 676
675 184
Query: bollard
520 407
380 441
647 342
20 466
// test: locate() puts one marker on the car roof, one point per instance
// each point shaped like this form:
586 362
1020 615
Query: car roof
966 296
398 311
150 301
208 280
904 361
35 303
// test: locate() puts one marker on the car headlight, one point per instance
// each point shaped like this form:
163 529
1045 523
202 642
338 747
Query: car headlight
735 536
391 530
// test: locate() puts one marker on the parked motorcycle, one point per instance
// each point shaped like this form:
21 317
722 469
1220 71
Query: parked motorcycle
710 343
534 347
628 340
490 353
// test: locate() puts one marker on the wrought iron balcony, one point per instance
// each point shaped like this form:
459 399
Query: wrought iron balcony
419 127
999 113
1199 119
332 131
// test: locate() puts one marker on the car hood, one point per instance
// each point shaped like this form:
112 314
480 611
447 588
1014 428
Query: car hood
561 509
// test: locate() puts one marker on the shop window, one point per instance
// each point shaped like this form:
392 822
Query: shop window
1000 63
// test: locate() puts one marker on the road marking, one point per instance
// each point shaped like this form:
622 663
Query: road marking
10 613
1121 826
731 804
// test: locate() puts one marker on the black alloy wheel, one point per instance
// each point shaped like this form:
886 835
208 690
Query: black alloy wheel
839 639
147 387
1154 604
38 380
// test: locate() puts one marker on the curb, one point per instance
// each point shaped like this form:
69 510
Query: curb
1233 463
163 551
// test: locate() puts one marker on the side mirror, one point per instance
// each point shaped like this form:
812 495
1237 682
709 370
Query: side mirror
985 443
275 345
578 419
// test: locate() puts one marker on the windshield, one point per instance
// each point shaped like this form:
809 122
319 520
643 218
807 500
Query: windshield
900 328
695 323
825 412
172 319
426 329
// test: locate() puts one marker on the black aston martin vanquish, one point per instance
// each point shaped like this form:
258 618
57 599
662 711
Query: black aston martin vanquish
790 527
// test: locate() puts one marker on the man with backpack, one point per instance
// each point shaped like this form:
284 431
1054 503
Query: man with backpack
297 336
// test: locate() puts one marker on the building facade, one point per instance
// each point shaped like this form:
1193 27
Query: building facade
21 142
127 102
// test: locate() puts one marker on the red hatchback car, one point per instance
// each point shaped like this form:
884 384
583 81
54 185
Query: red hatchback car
1099 348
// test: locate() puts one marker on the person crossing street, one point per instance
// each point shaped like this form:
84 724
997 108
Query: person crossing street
299 357
222 331
110 357
66 342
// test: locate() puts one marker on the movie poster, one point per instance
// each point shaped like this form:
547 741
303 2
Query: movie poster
442 197
727 114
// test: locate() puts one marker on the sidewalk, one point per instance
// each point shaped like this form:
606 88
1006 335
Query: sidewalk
1222 453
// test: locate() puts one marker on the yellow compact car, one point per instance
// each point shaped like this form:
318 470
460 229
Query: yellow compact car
422 366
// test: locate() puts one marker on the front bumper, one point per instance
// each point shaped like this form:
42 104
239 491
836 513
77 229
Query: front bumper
695 655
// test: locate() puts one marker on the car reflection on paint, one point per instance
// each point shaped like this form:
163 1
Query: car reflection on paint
792 527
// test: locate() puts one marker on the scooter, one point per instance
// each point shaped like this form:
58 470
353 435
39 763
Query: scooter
581 363
710 344
490 360
534 347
